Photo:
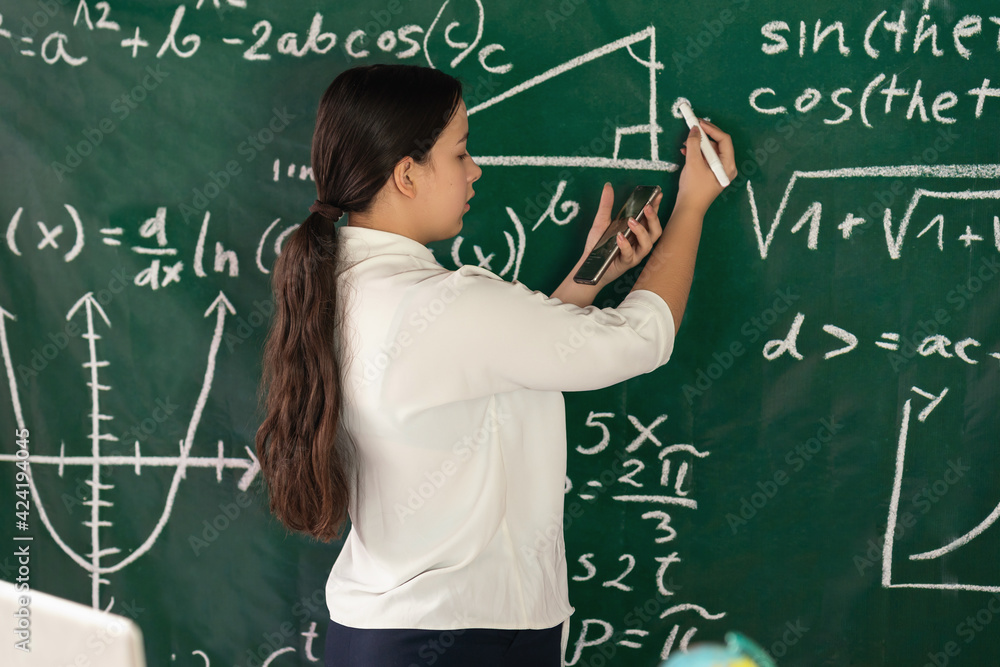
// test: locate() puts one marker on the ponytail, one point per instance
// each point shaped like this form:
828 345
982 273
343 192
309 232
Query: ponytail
304 456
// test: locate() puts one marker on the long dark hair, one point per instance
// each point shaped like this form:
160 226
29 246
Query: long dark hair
368 120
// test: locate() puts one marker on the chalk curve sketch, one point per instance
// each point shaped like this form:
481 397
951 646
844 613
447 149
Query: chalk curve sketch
960 541
94 562
890 531
651 127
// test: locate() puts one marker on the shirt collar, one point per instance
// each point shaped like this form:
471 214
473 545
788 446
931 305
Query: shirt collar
362 242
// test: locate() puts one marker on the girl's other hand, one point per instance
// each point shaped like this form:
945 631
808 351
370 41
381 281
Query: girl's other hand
630 252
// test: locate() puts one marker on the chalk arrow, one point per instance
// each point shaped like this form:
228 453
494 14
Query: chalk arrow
221 299
251 472
91 302
96 436
220 305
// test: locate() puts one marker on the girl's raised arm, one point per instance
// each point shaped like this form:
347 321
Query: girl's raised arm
670 268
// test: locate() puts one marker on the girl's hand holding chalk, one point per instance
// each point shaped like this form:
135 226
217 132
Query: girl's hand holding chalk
699 184
707 149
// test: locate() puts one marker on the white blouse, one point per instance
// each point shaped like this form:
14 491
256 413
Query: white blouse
452 384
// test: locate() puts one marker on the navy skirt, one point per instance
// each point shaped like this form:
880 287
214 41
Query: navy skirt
354 647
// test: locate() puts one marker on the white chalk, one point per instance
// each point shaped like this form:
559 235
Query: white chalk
706 146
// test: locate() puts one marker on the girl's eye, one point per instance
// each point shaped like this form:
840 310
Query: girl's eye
463 156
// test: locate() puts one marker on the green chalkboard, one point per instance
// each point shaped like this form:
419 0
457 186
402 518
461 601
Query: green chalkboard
834 384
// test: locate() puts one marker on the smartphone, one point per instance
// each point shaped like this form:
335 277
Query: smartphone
606 250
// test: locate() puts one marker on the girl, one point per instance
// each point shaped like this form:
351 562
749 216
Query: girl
424 404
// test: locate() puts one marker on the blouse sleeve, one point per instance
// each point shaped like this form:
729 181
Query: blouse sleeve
468 333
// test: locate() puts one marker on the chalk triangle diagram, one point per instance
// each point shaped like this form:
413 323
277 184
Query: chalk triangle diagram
580 153
925 500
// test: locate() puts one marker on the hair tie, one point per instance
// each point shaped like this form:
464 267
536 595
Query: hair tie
328 211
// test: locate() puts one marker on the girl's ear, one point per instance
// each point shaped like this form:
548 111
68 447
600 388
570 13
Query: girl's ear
403 175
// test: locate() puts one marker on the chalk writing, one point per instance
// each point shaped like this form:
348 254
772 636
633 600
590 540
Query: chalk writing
895 233
671 486
923 344
182 40
970 38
